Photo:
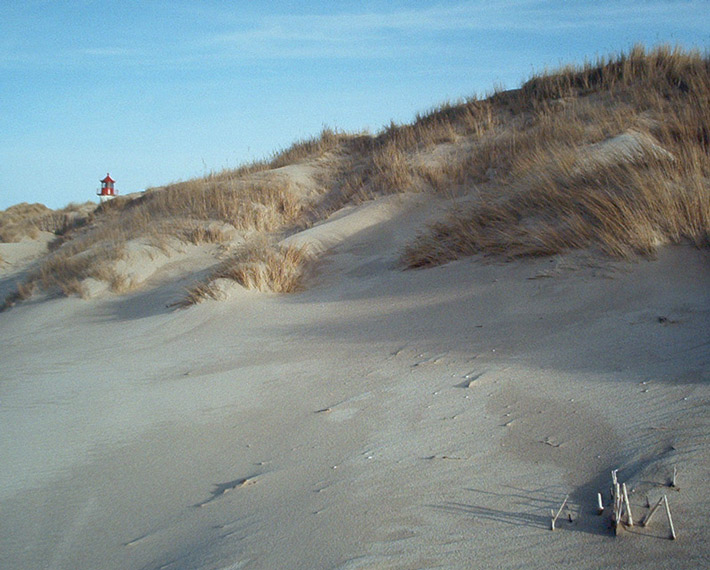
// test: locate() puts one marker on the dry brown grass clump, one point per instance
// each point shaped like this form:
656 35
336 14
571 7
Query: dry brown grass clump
22 212
23 292
621 163
328 140
258 265
664 71
389 162
28 220
280 269
66 269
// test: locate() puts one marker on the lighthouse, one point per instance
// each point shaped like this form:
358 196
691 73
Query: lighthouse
107 191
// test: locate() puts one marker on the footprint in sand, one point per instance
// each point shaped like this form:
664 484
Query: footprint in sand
470 379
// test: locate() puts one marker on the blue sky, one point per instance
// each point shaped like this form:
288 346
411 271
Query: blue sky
159 91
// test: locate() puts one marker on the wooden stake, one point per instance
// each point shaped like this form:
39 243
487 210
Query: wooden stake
629 516
647 518
554 518
600 504
673 479
670 520
617 507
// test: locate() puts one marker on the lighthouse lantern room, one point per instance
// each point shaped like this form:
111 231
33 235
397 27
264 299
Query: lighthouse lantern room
107 191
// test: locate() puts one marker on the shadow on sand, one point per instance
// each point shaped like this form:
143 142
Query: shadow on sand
530 508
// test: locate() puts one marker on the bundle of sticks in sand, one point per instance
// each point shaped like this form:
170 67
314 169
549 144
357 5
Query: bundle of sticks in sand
620 508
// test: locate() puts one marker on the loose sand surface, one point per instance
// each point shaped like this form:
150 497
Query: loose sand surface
381 419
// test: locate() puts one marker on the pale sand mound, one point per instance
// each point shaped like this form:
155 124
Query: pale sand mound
16 256
16 259
383 419
350 225
145 266
630 146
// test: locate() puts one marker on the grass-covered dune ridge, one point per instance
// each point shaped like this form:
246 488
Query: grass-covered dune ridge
26 221
612 155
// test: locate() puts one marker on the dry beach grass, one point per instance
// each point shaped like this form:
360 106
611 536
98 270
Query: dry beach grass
258 265
611 155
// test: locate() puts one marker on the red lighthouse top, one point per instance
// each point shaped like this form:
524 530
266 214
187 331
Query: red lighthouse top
107 188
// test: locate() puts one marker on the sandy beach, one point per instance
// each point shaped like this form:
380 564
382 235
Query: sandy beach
379 419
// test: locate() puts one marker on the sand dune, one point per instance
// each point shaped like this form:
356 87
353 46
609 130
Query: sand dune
378 416
380 419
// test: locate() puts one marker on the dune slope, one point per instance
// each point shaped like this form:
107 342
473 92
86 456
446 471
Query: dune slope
379 419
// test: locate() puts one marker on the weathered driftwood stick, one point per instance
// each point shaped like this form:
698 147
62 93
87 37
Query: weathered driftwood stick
670 520
647 518
600 504
629 516
556 516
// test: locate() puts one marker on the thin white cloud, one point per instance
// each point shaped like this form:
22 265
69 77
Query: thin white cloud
101 52
352 34
374 34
